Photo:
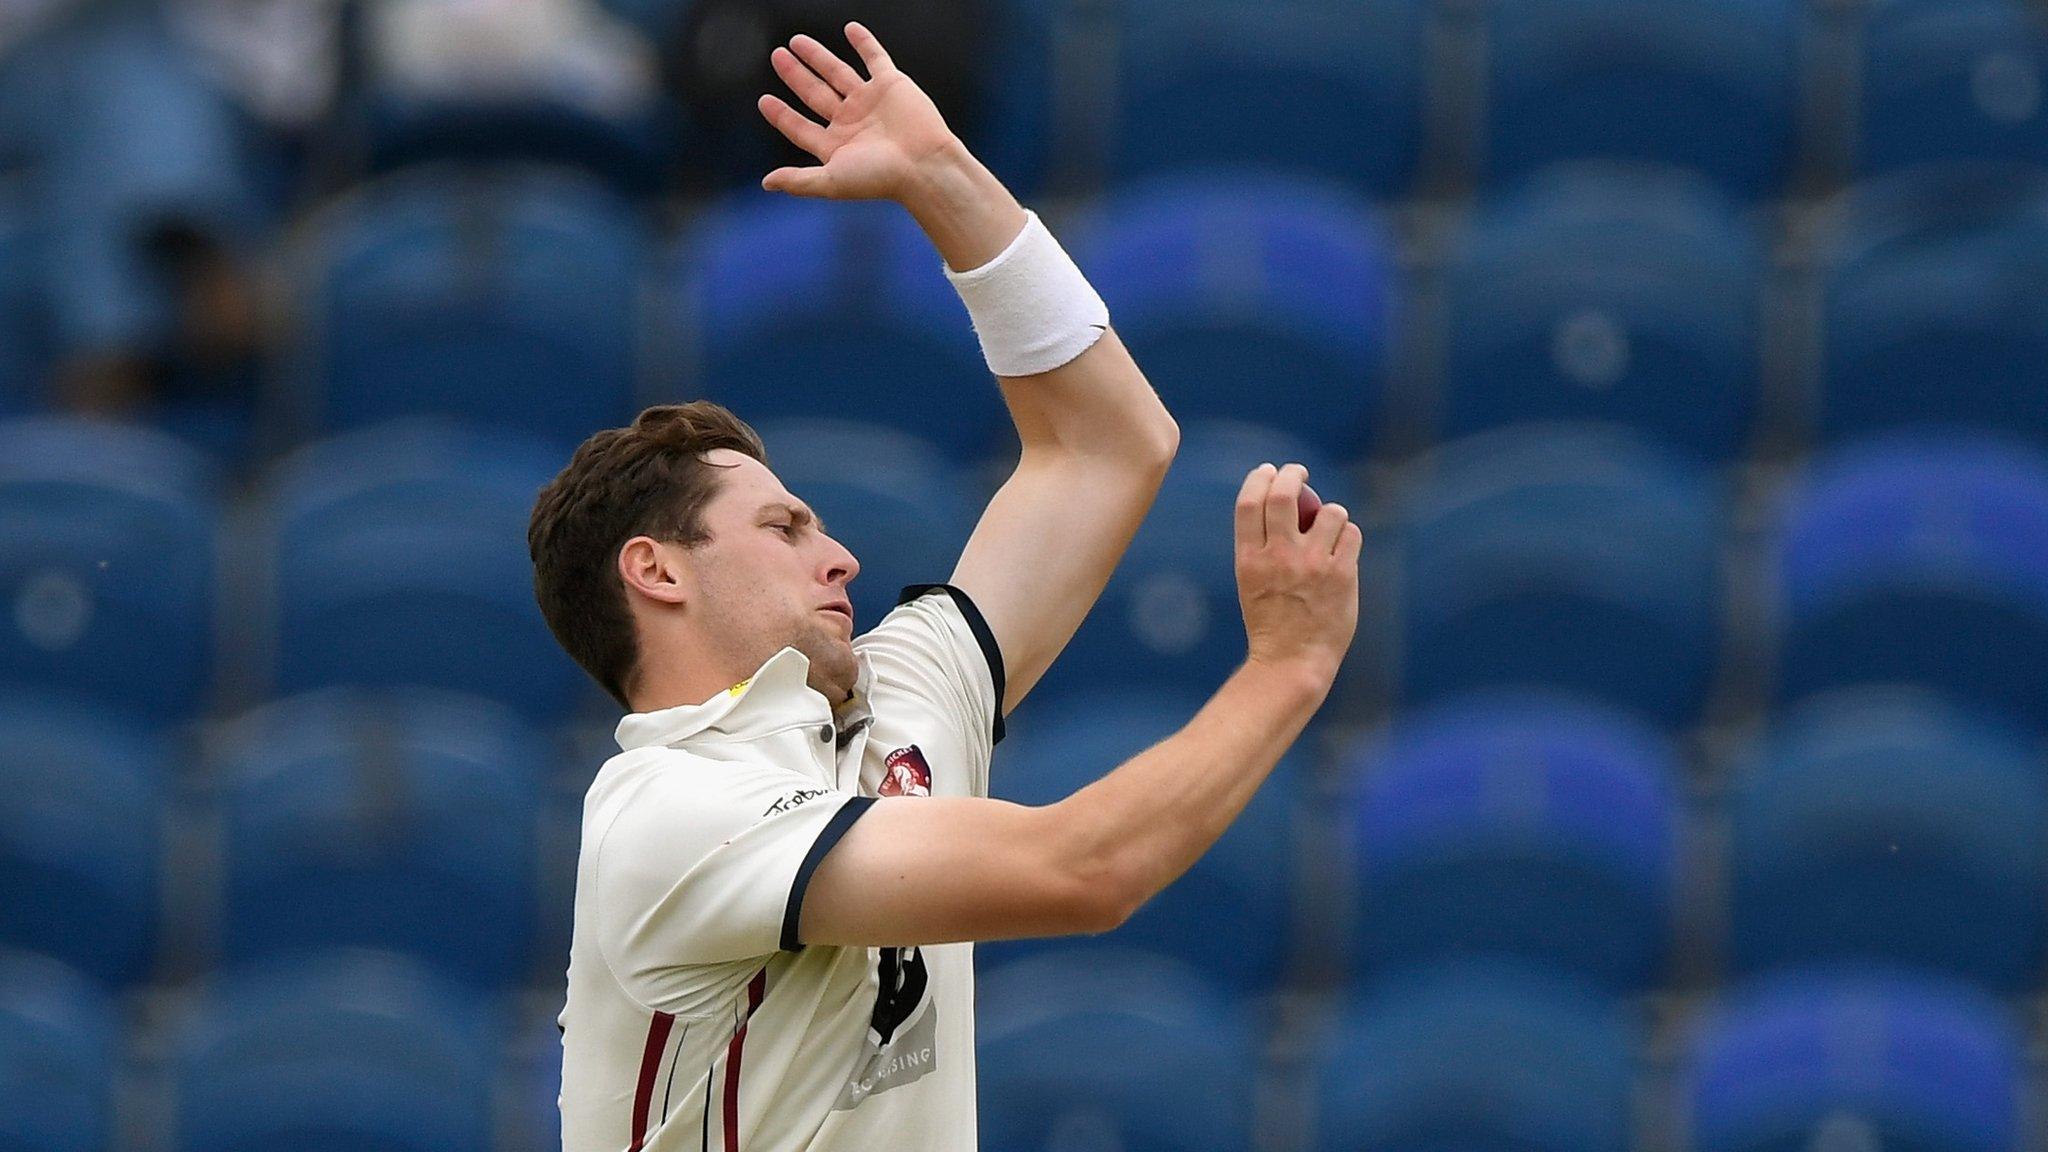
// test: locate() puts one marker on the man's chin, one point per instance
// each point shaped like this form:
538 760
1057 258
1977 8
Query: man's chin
834 668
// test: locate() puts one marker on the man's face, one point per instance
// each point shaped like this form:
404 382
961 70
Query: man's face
769 577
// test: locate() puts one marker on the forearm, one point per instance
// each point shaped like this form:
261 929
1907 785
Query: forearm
1097 404
965 210
1136 830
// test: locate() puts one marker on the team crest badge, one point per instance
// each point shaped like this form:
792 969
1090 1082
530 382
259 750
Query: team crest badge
907 774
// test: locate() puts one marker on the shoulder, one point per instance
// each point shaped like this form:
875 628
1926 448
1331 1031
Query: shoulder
938 627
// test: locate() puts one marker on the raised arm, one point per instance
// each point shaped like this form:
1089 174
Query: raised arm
1096 440
939 869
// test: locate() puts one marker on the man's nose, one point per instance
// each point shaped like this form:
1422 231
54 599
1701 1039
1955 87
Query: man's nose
843 567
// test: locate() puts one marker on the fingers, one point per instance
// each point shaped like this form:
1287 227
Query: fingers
1283 517
870 49
1326 532
799 182
836 72
817 95
1350 542
804 133
1251 506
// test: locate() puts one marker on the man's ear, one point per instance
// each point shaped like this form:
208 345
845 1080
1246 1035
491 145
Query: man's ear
653 570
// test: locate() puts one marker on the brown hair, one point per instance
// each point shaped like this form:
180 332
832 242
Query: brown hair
650 479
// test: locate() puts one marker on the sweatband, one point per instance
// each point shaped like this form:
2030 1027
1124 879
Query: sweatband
1031 306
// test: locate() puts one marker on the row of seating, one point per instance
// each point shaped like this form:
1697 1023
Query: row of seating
1880 824
537 302
1103 1049
1372 92
1567 556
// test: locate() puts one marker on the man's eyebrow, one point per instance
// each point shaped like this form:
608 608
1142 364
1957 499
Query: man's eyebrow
798 513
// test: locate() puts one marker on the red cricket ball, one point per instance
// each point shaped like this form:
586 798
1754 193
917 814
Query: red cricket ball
1308 505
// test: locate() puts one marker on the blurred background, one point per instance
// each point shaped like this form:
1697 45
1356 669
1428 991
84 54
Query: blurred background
1687 361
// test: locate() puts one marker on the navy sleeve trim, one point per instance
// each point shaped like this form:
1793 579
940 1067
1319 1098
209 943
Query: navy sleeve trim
843 819
983 636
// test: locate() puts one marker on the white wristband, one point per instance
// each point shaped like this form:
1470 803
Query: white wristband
1031 306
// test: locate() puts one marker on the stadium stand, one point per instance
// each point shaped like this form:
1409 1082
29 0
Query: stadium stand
81 837
397 555
1572 557
107 565
897 503
1105 1049
400 820
1329 88
59 1047
1219 280
1846 1059
505 299
791 308
1891 826
1478 1057
1230 916
1709 86
1523 827
1932 311
1600 298
1951 79
1920 560
1682 358
333 1054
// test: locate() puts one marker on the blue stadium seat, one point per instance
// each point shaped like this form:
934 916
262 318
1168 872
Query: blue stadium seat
1935 312
1922 560
1563 557
1111 1049
1231 915
1540 829
1887 825
337 1053
792 308
1706 85
1849 1060
894 500
1170 617
507 298
1949 79
107 565
59 1040
397 555
81 836
1251 298
405 821
1630 301
1477 1059
1329 88
628 149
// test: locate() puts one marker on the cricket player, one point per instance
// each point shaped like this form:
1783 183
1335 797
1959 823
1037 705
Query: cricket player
783 869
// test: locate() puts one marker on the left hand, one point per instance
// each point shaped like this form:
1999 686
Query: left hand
878 132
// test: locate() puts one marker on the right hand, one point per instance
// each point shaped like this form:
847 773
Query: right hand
1298 590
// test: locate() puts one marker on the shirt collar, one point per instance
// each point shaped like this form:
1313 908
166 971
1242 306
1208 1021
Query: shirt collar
777 696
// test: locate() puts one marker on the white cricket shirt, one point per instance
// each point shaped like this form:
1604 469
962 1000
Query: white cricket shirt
695 1018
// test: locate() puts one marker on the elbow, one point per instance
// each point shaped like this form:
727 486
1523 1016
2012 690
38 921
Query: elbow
1163 442
1098 889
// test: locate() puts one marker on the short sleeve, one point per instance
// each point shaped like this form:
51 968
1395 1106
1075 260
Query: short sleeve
937 647
707 865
